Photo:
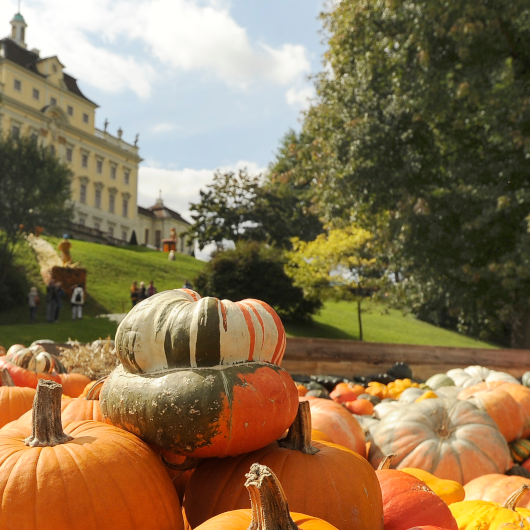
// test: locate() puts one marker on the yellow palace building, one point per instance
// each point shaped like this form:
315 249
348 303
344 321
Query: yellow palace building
39 99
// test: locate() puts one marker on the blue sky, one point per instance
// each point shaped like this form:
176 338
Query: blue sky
207 83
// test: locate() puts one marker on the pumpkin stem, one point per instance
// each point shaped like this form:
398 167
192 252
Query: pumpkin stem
299 436
189 463
47 428
511 501
386 462
99 382
5 377
270 510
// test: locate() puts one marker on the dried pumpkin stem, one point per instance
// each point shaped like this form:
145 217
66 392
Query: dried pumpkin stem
5 377
511 501
299 436
386 462
47 428
270 510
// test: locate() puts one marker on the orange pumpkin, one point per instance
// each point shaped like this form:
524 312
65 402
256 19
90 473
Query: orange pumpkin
346 494
519 393
2 351
361 407
302 390
73 384
336 422
100 476
408 501
14 400
269 510
507 413
179 469
497 488
93 389
342 393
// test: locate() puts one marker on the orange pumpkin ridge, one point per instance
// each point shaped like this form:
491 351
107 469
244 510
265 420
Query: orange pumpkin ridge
269 508
14 401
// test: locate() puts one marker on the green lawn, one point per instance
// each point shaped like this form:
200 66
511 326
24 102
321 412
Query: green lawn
338 320
111 270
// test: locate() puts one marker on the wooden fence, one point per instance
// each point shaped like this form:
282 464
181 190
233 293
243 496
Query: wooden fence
345 358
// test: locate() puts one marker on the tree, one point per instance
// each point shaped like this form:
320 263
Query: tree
244 207
340 263
254 270
34 191
423 112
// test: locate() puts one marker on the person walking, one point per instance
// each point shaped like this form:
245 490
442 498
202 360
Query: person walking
187 285
51 301
33 303
134 293
59 291
151 290
77 301
143 293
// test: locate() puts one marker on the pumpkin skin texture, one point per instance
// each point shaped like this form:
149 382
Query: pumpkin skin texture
497 488
73 384
448 490
336 422
500 406
451 439
101 477
269 511
361 407
217 485
408 501
200 377
234 409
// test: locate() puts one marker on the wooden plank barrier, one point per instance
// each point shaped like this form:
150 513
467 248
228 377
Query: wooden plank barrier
345 358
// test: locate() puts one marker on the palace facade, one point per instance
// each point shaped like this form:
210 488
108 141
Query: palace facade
39 99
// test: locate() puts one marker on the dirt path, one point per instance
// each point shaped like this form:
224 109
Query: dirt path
46 255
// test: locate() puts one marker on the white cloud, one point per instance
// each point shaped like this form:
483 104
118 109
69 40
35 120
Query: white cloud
180 187
300 98
163 127
185 35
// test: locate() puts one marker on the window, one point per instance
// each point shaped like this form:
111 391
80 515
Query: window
99 166
52 150
182 243
54 68
125 207
82 194
69 153
17 85
126 176
36 94
85 117
146 236
15 131
82 221
111 231
124 235
96 225
113 172
34 136
98 198
53 102
112 203
70 110
158 238
84 160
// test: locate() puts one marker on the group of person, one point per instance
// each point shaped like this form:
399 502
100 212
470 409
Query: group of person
139 293
55 295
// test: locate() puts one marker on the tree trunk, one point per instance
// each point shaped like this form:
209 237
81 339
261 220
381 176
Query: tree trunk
359 316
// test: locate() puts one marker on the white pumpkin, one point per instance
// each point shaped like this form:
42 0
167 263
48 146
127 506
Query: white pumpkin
410 395
386 407
473 375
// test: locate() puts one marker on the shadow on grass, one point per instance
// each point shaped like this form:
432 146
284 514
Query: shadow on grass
317 330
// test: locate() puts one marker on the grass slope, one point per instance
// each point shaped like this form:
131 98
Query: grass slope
111 271
338 320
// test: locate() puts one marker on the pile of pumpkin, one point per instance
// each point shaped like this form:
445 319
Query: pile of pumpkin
201 428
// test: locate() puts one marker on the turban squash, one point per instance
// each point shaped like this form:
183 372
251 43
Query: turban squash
200 376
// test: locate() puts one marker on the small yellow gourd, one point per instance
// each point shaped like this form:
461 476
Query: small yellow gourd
484 515
426 395
449 491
